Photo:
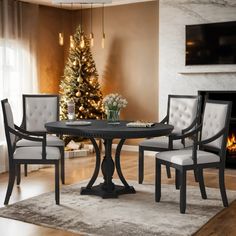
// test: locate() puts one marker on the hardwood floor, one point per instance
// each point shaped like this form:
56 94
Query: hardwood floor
78 169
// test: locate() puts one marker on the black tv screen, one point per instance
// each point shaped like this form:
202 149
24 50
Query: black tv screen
211 44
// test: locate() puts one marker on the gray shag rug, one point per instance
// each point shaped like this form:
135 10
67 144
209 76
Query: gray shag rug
132 214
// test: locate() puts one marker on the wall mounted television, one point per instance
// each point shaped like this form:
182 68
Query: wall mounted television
211 44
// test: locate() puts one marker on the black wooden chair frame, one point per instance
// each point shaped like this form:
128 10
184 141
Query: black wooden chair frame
171 137
23 125
14 164
180 170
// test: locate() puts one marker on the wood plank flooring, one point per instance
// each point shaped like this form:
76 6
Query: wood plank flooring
77 169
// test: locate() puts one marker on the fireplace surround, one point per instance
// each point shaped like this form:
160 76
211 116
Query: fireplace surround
231 144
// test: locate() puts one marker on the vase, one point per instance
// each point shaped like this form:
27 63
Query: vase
113 115
71 110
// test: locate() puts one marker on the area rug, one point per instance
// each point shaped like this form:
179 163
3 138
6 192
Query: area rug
132 214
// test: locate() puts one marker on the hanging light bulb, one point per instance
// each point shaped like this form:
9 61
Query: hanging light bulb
103 40
91 27
91 39
103 33
82 42
61 39
61 35
72 42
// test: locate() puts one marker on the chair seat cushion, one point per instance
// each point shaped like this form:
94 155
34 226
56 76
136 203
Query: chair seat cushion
53 141
184 157
35 153
161 143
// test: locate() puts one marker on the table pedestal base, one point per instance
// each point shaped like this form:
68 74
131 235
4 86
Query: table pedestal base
99 190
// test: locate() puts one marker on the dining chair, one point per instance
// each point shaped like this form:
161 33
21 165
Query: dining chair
40 154
39 109
183 113
208 151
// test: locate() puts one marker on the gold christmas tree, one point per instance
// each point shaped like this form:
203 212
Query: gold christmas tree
80 81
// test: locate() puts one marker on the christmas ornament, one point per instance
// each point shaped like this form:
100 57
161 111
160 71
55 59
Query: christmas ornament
81 108
80 79
78 94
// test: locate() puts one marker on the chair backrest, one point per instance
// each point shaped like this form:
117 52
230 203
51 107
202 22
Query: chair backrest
39 109
216 116
8 122
182 111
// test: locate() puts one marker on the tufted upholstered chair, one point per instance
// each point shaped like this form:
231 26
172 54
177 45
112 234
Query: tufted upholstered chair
40 154
38 110
208 151
183 113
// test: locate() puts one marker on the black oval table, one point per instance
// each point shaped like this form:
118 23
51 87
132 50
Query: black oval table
108 131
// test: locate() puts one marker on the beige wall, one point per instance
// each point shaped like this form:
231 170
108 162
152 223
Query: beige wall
128 64
50 54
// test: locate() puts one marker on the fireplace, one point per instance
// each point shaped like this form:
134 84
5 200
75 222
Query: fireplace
231 144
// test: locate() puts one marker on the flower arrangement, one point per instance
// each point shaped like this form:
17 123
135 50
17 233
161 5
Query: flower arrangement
114 101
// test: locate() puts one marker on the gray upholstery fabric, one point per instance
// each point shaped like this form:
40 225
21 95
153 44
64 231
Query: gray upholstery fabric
10 121
40 110
182 112
35 153
51 141
161 142
184 157
213 122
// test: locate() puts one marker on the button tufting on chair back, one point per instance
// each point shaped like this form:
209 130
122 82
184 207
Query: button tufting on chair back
213 122
182 112
40 111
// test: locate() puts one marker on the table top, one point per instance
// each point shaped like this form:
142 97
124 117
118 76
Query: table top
103 129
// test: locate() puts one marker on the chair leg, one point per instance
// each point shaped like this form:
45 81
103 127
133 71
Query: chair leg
57 184
62 165
11 180
177 183
168 173
183 191
222 187
201 183
158 181
25 169
195 175
140 165
18 174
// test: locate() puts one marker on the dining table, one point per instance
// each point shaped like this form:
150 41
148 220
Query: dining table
107 132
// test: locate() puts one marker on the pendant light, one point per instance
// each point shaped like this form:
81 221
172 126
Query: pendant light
91 26
103 33
72 42
61 35
82 42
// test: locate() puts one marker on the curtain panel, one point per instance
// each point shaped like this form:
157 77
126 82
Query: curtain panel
18 59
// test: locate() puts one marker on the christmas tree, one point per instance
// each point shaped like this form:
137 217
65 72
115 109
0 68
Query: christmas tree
80 81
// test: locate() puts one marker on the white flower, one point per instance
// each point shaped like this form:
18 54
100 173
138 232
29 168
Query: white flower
114 101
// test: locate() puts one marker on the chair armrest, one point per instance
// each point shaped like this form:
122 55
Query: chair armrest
164 120
31 138
29 132
185 135
190 126
202 142
209 140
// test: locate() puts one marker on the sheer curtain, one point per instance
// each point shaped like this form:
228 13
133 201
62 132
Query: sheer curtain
18 74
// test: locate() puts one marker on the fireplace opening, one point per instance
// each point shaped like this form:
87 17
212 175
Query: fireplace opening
231 143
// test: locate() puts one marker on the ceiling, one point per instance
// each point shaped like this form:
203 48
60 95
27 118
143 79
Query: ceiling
114 3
